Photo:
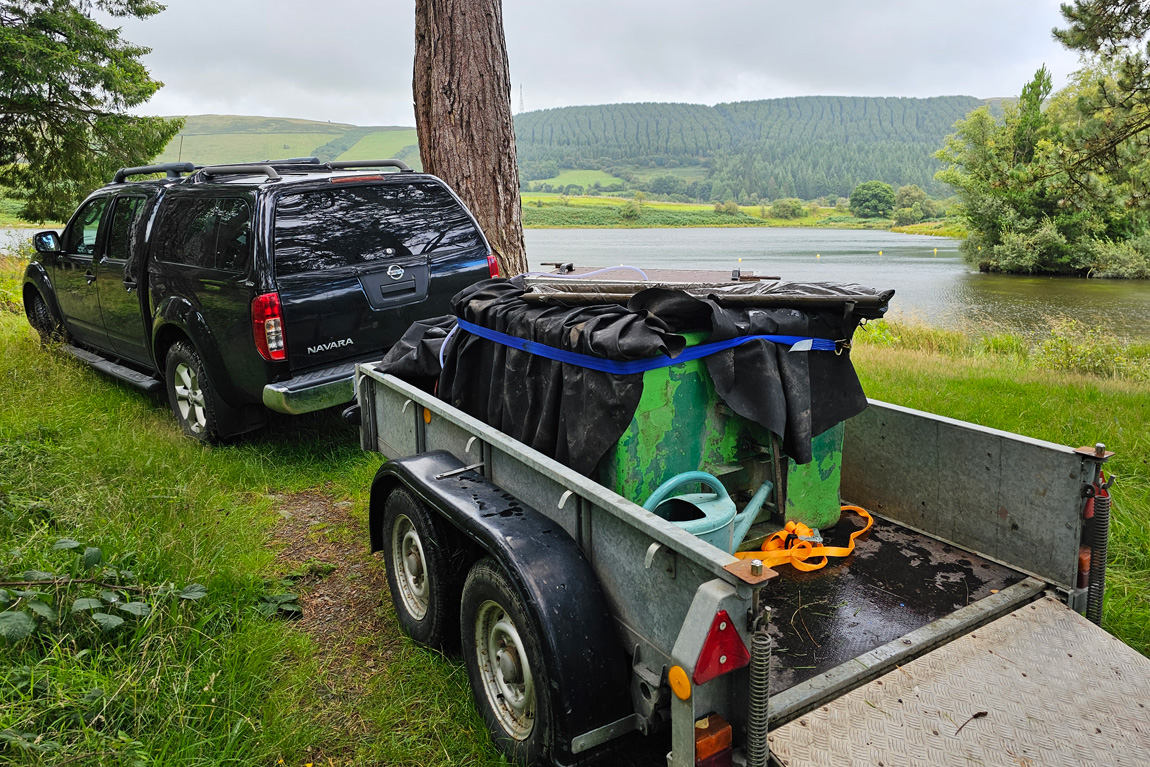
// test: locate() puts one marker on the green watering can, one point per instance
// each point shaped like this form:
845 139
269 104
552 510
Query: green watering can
710 516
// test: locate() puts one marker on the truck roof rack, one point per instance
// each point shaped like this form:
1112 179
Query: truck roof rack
241 170
171 169
347 164
294 161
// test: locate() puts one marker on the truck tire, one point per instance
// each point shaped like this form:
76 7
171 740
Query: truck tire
191 394
42 320
424 584
509 681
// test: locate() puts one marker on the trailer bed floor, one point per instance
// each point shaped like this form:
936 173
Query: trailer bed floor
1040 687
895 582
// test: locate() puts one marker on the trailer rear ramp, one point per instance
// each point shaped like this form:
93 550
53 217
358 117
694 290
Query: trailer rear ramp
1038 687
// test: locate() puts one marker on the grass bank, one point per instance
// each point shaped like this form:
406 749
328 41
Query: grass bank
549 211
146 572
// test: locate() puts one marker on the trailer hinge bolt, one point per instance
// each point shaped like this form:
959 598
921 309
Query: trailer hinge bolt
756 567
1099 449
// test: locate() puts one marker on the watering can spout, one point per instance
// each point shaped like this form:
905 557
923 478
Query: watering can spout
746 518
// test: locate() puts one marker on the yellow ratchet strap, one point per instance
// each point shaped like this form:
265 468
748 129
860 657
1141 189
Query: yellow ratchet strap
787 547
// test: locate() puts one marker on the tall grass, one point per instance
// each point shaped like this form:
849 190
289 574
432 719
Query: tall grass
1067 345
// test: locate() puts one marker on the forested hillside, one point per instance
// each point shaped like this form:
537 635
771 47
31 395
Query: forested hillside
805 147
809 147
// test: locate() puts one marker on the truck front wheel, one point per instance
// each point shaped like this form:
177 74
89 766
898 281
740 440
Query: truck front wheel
505 665
424 586
42 320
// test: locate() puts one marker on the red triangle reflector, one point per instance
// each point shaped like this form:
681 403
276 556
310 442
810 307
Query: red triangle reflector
723 650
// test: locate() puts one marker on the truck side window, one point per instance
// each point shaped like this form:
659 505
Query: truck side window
125 215
233 235
81 235
210 233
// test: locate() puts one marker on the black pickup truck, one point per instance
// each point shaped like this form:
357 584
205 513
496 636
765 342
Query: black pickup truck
245 287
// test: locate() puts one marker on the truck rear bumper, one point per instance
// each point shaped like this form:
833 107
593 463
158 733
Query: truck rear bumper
316 390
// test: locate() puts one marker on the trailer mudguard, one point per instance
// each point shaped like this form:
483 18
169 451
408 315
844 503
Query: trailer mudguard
586 666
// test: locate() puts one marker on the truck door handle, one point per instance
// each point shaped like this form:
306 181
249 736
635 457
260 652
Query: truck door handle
89 277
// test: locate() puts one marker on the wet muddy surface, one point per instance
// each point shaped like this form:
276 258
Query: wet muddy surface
896 581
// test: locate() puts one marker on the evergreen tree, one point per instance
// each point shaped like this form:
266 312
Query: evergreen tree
66 83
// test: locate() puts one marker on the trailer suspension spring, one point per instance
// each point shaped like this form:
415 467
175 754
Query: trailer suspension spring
758 750
1097 558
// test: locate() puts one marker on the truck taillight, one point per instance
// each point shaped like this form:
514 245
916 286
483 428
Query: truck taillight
723 650
268 326
492 265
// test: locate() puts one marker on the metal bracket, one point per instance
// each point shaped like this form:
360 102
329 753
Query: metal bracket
649 558
453 472
600 735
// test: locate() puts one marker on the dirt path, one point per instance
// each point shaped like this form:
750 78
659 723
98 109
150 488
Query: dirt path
348 614
343 592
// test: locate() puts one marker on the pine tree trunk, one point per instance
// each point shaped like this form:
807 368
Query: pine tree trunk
462 91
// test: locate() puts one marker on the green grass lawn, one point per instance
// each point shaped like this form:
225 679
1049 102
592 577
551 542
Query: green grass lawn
381 145
584 178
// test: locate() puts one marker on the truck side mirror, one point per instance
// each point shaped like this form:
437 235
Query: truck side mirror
46 242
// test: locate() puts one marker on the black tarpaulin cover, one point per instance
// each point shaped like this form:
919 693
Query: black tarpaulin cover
575 415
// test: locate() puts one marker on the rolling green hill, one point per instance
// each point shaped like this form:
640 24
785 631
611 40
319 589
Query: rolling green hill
213 139
805 147
808 147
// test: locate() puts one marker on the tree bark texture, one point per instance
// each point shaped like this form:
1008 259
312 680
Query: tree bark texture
462 90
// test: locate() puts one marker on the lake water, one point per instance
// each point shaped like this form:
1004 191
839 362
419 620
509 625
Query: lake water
931 281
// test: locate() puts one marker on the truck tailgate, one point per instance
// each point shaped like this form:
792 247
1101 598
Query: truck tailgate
1055 689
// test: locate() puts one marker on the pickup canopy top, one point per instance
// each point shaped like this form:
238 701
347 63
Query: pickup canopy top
575 414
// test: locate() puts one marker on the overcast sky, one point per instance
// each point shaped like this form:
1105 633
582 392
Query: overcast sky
350 60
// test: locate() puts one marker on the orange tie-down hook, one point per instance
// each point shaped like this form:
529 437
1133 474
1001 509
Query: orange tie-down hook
787 547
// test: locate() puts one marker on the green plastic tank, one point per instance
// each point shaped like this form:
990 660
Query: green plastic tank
682 425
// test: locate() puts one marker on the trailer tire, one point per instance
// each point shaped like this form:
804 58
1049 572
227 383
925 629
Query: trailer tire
505 667
424 584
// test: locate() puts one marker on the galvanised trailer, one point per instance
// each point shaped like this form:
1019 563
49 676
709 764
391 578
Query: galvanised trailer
947 638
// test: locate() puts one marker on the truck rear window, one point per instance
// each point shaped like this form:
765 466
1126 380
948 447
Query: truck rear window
352 225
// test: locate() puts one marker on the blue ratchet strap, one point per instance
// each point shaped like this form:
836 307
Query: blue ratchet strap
625 367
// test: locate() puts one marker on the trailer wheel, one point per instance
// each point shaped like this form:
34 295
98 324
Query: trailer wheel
505 665
424 586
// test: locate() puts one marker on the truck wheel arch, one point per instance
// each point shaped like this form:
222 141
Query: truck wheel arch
36 280
586 663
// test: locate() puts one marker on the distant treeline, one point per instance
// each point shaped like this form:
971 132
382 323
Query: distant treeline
809 147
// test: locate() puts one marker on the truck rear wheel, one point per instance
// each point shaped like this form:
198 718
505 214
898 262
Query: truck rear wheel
424 585
191 394
505 665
